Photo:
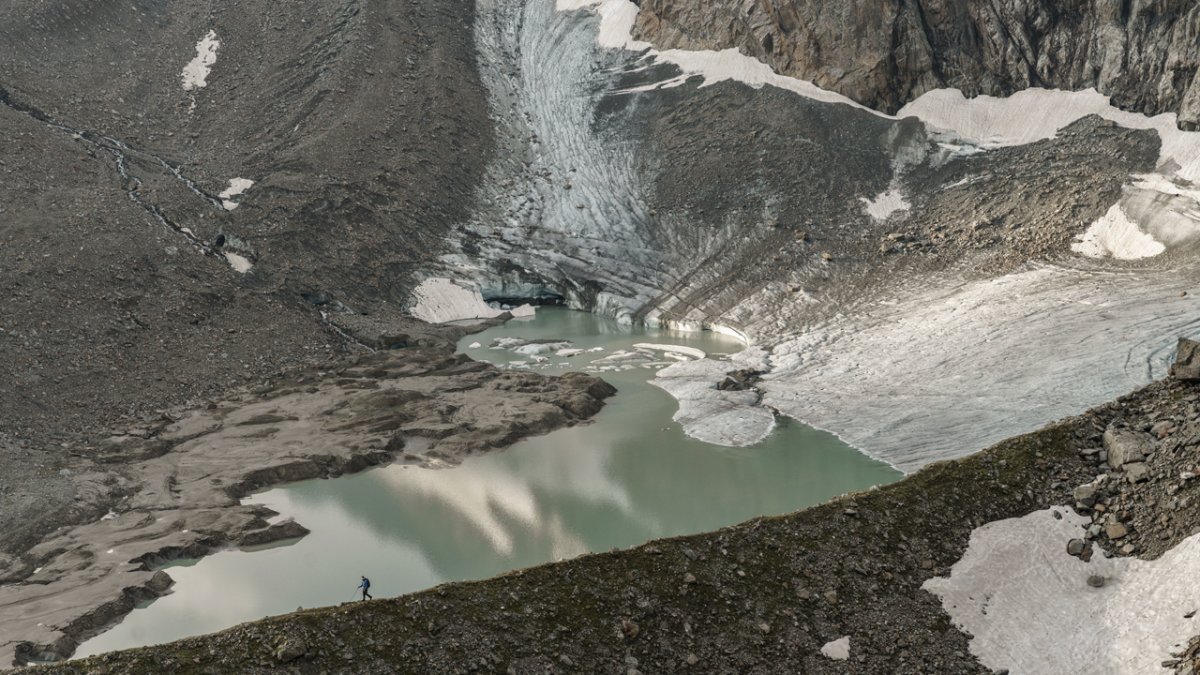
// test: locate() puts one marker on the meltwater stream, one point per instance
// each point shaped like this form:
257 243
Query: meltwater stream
627 477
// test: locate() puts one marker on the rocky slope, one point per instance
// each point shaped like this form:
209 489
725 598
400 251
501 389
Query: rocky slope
1143 54
362 124
137 287
770 595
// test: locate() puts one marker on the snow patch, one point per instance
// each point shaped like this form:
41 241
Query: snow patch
239 263
439 300
1036 114
195 73
237 186
885 204
1128 626
1115 235
838 650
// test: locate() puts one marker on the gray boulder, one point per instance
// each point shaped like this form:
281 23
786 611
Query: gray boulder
1137 472
1187 360
1125 446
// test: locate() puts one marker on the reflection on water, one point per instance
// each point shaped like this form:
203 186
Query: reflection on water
629 476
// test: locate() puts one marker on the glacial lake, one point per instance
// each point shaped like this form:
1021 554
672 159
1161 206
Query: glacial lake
628 476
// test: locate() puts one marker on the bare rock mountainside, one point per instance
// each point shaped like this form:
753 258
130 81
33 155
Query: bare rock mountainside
236 240
1144 55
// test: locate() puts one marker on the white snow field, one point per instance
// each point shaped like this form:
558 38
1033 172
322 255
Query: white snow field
1016 573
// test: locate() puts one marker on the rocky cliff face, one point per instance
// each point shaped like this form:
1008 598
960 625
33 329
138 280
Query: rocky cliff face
1144 54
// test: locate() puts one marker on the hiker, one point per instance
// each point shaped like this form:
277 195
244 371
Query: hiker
366 587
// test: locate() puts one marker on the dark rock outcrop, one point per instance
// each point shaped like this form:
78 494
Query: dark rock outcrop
1187 360
884 54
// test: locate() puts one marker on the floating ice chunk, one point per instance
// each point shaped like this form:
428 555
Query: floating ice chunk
533 348
622 356
237 262
523 311
1114 234
731 418
195 73
596 349
237 186
474 345
675 349
838 650
1016 573
568 352
508 342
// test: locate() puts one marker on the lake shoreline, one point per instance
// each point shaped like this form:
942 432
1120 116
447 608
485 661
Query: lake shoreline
173 490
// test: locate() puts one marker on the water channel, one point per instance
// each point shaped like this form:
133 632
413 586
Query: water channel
629 476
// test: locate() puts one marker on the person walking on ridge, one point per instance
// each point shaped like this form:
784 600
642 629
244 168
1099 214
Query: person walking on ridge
366 588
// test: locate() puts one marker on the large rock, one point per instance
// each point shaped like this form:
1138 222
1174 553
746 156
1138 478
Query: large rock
1187 360
1125 446
885 54
290 651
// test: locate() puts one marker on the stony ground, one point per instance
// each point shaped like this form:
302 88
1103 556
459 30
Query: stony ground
759 597
364 125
